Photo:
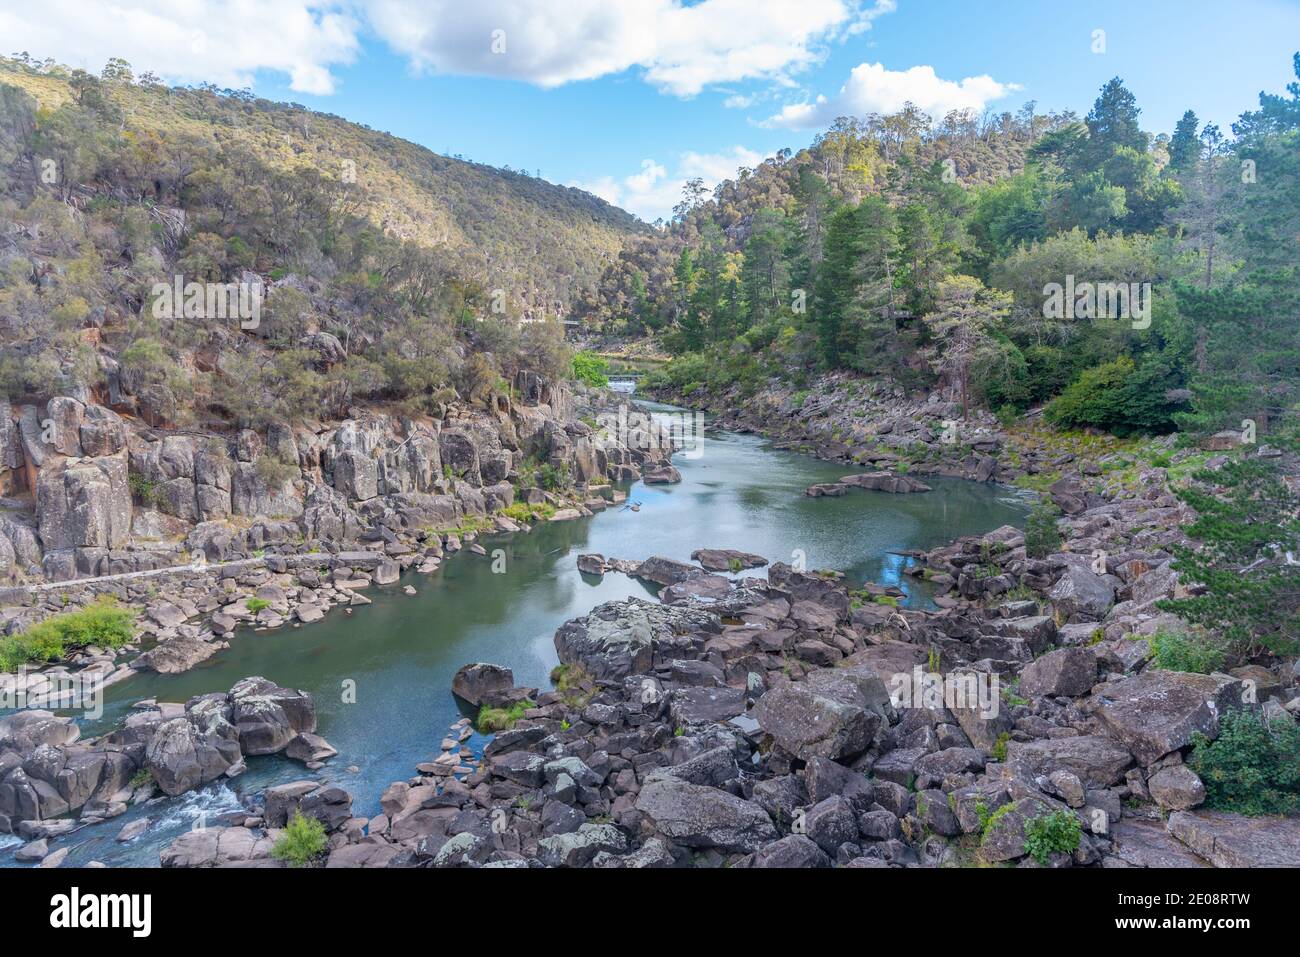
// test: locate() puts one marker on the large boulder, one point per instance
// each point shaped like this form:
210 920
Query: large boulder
184 754
1096 760
693 815
830 715
1082 594
1231 840
267 716
87 505
1157 712
619 638
1066 671
483 683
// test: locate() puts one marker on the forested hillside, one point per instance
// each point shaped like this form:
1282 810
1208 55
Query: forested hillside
415 268
945 255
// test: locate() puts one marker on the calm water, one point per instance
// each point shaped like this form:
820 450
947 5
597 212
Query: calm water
402 651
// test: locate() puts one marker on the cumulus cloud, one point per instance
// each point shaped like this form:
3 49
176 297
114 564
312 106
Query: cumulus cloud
873 89
679 47
214 41
652 193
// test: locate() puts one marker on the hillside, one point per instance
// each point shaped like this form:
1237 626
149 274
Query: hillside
537 241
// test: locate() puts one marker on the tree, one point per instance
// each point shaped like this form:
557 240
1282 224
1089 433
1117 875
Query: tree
1247 532
964 327
765 273
1113 124
1184 146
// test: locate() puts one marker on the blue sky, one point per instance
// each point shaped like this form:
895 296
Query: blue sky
630 97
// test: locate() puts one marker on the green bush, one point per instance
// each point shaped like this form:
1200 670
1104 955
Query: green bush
103 623
1119 397
1251 767
1051 833
491 720
256 604
302 842
1176 651
591 369
1042 536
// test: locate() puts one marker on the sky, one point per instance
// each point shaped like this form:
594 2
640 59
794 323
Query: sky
630 98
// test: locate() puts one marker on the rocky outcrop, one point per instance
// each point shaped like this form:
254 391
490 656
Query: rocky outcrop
633 636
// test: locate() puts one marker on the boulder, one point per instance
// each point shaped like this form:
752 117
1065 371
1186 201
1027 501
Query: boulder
1177 788
182 756
1066 671
693 815
1157 712
791 851
1231 840
829 715
726 559
483 683
1083 594
1096 760
620 638
175 655
268 717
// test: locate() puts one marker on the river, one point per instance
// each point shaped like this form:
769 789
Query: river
402 651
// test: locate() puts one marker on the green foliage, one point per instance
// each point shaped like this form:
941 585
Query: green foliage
1117 397
1248 519
1177 651
591 369
256 604
491 720
302 842
1055 832
103 623
1042 534
1252 767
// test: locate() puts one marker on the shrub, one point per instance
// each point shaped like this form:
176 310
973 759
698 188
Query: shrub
1042 536
103 623
1051 833
491 720
1252 767
591 369
256 604
1175 651
303 840
1117 396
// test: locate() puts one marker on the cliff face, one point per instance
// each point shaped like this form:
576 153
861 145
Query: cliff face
91 492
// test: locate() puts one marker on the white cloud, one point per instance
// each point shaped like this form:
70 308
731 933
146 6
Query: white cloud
185 41
681 48
652 193
873 89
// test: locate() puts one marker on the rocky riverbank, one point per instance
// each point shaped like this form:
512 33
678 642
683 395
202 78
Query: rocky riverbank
798 719
204 533
795 720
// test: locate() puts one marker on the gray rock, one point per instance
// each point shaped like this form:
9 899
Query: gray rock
578 848
1177 788
703 817
1231 840
1066 671
1096 760
791 851
1082 594
829 715
1158 711
483 683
